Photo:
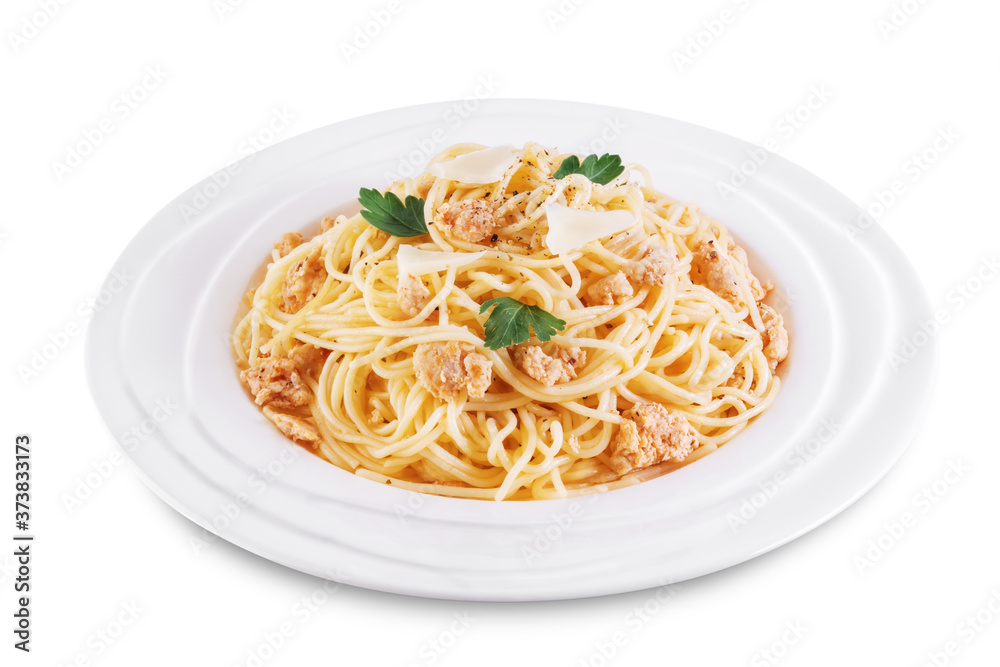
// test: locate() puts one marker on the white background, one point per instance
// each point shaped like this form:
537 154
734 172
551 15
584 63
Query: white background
230 70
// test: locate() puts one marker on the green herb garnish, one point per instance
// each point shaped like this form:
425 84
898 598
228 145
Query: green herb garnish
603 169
389 214
508 323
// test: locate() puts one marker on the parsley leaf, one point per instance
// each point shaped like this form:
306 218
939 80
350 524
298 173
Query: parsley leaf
603 169
390 215
508 323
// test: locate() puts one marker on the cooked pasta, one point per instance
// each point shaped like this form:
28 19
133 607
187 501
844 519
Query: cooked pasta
652 345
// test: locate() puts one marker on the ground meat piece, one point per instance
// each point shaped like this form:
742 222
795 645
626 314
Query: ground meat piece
573 356
470 220
293 427
657 266
479 374
276 381
651 434
288 243
610 290
327 225
738 254
561 366
711 267
775 336
308 359
738 376
716 270
303 282
445 369
413 295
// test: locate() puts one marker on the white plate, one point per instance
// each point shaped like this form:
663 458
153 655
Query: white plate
848 305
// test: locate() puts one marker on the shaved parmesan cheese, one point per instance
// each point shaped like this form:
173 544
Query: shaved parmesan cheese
415 262
571 228
485 166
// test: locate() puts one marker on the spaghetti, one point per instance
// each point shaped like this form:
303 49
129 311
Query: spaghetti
666 352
